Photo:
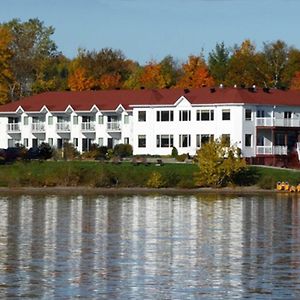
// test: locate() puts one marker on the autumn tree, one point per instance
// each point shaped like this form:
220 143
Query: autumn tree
170 70
152 77
110 81
295 83
80 81
195 74
6 75
31 44
219 164
218 60
242 66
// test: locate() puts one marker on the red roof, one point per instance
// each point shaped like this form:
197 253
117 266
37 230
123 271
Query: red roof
110 100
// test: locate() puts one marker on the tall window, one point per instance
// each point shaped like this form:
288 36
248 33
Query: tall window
100 120
287 114
184 140
100 142
142 116
50 120
248 114
50 142
184 115
142 141
226 114
25 142
75 120
260 114
202 139
126 140
126 119
248 140
164 116
164 141
205 115
25 120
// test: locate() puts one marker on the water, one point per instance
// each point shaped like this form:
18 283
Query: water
150 247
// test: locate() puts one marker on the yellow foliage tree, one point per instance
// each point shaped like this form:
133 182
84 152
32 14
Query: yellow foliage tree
110 81
218 164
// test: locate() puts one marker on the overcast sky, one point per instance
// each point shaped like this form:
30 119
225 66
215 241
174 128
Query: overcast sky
151 29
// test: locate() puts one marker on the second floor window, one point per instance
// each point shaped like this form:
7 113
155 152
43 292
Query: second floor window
142 116
75 120
184 115
248 114
226 114
164 116
205 115
126 119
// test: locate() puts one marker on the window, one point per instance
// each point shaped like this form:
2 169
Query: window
126 119
11 143
25 120
280 139
100 142
184 115
142 141
165 116
50 142
248 114
260 114
226 114
287 114
164 141
225 139
50 120
202 139
75 120
75 142
25 142
184 140
248 140
205 115
100 120
142 116
126 140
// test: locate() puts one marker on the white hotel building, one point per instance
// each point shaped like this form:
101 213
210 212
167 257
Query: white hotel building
264 123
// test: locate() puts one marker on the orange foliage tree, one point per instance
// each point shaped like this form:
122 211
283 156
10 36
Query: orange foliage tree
195 74
295 84
110 81
151 77
79 81
5 56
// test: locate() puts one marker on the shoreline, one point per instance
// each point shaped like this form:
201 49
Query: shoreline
83 190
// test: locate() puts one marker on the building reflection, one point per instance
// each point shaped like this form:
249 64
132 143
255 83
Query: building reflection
167 246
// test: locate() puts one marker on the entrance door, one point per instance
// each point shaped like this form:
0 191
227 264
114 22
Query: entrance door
110 143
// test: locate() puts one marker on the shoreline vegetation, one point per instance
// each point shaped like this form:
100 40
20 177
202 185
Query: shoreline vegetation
126 177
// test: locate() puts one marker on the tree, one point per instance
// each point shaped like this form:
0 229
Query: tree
5 57
151 77
218 164
110 81
170 70
242 66
79 80
218 60
195 74
295 83
30 45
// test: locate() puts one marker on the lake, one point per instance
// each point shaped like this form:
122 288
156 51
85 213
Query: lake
150 246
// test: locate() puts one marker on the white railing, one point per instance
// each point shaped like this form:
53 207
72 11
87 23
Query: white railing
113 126
271 150
13 127
38 127
88 126
63 127
281 122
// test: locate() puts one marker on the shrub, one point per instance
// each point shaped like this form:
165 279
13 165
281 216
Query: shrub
174 152
181 157
45 151
123 150
267 183
155 180
70 152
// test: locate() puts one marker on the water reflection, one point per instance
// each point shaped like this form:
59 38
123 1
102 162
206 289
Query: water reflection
150 247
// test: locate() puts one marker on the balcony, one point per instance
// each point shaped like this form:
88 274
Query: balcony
271 150
38 127
88 126
280 122
63 127
114 126
13 128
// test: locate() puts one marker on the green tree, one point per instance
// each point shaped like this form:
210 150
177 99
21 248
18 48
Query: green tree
218 164
218 60
31 45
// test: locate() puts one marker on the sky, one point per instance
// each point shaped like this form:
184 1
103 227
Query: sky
146 30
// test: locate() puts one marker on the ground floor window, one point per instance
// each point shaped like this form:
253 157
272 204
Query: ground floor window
100 142
25 142
75 142
164 141
202 139
142 141
248 140
50 142
126 140
184 140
